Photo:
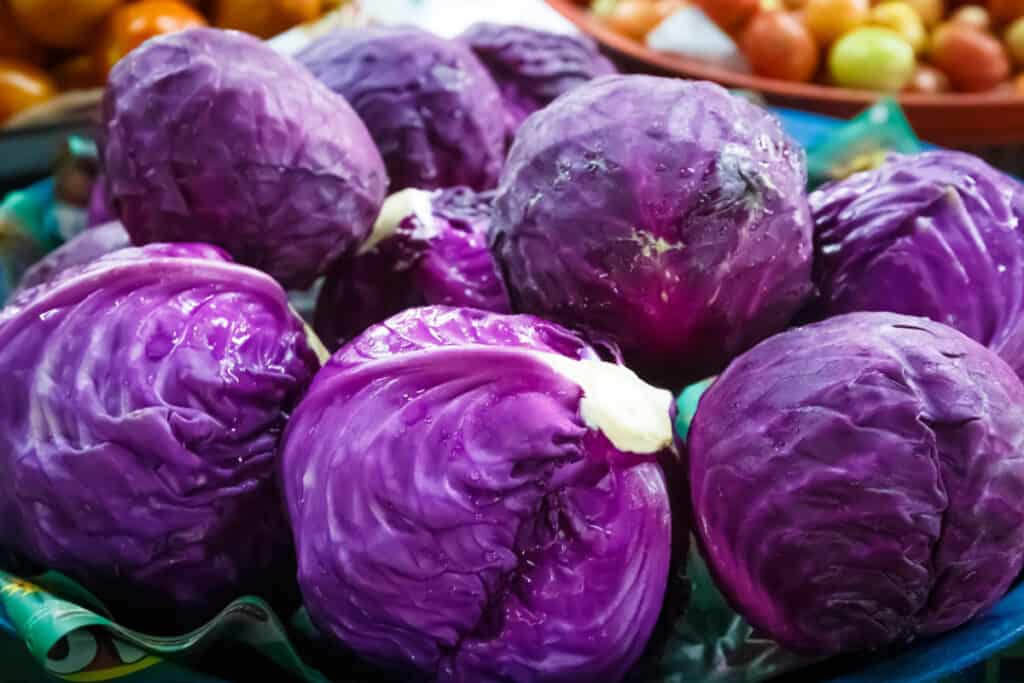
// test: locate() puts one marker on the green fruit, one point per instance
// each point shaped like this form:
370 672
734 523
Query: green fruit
872 58
1015 41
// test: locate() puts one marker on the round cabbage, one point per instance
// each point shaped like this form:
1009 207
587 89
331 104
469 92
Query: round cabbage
426 248
477 497
667 214
860 481
936 235
533 67
99 211
211 136
85 247
144 398
433 110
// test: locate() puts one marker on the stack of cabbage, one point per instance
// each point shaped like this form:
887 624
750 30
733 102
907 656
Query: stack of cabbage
473 493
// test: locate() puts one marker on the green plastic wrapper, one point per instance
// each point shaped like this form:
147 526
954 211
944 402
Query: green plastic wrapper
686 405
42 216
68 635
710 643
28 231
70 638
862 143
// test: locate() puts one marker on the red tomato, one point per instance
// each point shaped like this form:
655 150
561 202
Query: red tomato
729 14
928 80
1005 11
66 24
974 15
134 24
263 18
973 60
22 85
778 45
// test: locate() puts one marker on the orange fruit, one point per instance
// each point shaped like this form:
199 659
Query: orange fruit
22 85
729 14
131 25
65 24
830 19
263 18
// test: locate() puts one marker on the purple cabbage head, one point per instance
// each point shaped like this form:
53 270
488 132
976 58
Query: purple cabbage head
83 248
212 136
477 496
430 105
860 481
99 211
669 215
936 235
144 398
533 67
426 248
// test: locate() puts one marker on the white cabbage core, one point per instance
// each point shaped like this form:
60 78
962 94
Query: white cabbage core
632 414
408 202
313 340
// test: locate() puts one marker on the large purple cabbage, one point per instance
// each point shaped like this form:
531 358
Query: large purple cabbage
667 214
471 500
144 398
430 105
426 248
212 136
83 248
937 235
533 67
860 481
99 211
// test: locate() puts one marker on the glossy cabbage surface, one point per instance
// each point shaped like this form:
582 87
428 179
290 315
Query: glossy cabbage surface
442 259
83 248
533 67
211 136
936 235
454 515
144 398
430 105
669 215
858 482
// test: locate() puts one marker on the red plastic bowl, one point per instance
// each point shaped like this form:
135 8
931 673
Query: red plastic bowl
954 120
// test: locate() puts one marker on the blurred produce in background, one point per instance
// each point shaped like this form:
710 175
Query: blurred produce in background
919 46
51 46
